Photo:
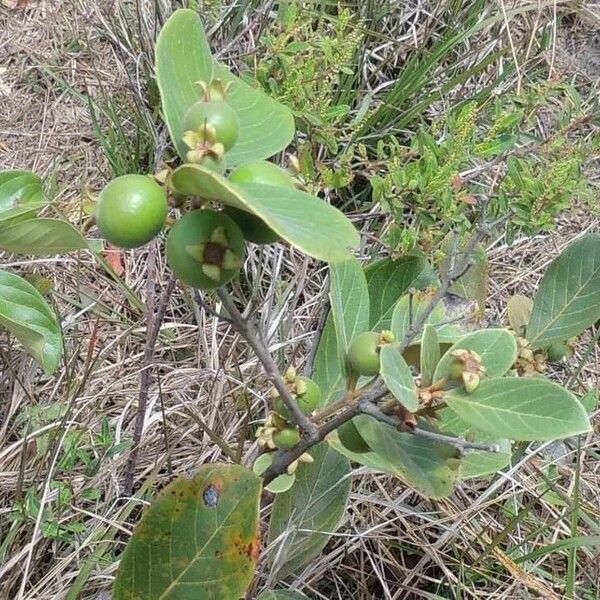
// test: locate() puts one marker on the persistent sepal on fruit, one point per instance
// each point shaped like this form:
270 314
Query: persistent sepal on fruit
216 122
263 172
363 354
305 392
467 368
131 210
205 249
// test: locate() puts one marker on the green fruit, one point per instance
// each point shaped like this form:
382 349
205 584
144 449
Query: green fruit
351 439
262 172
286 439
363 354
205 249
307 401
456 370
131 210
557 351
219 115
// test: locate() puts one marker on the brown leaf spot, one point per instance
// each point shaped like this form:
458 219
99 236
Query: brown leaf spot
253 549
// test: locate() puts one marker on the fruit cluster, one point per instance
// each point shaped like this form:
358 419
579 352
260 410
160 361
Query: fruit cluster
206 247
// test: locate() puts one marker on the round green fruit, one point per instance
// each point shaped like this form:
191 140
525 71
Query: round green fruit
205 249
351 439
262 172
218 115
363 354
557 351
307 401
131 210
286 439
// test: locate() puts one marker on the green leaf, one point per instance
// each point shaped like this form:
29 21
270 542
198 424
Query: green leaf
475 463
496 347
519 312
24 312
20 213
329 368
183 57
518 408
398 378
41 237
282 595
19 188
305 221
349 299
388 280
589 401
303 518
349 316
266 126
568 299
199 539
430 354
429 467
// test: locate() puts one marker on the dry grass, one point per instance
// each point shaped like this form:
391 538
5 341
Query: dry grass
392 543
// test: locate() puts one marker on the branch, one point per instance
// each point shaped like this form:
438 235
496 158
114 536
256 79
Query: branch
252 336
366 403
153 324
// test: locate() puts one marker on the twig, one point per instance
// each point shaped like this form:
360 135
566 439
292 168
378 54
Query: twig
208 308
366 402
153 325
252 336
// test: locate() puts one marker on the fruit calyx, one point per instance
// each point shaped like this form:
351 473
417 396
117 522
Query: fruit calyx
467 368
215 91
215 255
203 144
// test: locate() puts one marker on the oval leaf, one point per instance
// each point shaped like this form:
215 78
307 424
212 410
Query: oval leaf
429 467
497 348
303 518
567 301
430 354
524 409
199 539
475 463
24 312
41 237
182 58
398 378
18 188
519 312
349 299
388 280
266 126
309 224
349 316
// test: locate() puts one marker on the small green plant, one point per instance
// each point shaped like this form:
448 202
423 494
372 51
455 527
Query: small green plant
399 384
441 177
